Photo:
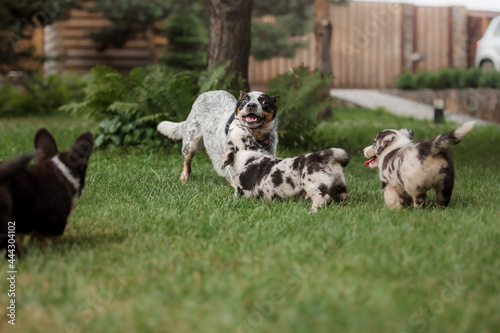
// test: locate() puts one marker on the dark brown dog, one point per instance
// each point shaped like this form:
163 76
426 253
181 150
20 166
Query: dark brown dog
37 199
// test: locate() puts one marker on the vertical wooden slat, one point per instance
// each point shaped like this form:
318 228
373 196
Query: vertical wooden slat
381 45
450 36
358 18
415 36
340 31
397 51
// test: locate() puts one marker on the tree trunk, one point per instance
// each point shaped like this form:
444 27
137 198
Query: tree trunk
323 34
230 24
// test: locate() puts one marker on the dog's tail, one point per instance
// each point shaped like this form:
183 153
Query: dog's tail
341 156
172 130
9 168
446 141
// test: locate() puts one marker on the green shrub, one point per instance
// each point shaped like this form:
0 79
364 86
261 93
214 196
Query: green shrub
423 80
129 107
217 77
470 78
406 81
303 94
39 94
490 80
444 79
449 78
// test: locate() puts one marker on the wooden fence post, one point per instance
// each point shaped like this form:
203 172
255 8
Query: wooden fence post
459 36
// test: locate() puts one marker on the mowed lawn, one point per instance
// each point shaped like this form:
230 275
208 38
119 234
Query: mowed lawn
143 253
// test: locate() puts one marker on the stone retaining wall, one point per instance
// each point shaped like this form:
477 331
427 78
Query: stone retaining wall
483 103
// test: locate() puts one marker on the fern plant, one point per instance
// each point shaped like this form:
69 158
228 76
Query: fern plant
217 77
130 106
303 94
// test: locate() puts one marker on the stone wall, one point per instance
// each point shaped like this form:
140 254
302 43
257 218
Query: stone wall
483 103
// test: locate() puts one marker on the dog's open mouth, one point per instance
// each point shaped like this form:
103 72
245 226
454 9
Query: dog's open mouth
372 161
252 119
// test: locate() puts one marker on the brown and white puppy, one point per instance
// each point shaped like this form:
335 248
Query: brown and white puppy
207 125
37 199
254 172
408 169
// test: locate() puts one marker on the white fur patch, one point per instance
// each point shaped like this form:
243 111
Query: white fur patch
66 172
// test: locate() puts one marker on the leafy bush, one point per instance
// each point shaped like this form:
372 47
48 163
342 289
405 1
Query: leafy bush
470 78
423 80
406 81
303 94
449 78
490 80
217 77
39 95
129 107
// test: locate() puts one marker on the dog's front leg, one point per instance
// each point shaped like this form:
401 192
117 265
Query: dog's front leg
318 202
392 198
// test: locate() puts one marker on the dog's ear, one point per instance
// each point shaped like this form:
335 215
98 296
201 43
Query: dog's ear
45 142
81 149
275 99
408 132
382 144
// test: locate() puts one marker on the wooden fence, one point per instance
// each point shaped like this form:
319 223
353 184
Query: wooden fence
375 42
70 46
372 44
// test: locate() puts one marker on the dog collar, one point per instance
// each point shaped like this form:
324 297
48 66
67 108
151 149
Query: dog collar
66 172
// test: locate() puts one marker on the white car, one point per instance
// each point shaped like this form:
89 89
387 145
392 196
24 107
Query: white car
488 47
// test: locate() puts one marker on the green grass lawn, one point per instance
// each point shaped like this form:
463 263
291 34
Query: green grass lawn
143 253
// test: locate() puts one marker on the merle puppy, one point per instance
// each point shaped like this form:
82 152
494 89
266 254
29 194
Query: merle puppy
207 125
408 169
37 199
255 172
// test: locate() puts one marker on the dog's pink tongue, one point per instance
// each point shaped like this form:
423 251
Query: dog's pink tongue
371 161
251 118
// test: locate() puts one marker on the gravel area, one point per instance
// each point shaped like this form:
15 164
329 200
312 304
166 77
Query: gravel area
372 99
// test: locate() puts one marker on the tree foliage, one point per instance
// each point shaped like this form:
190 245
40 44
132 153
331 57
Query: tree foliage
291 19
187 40
19 20
129 17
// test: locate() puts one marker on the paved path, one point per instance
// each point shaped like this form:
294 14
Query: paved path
372 99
